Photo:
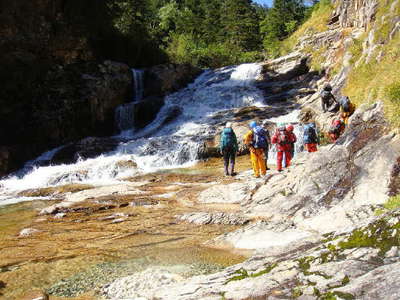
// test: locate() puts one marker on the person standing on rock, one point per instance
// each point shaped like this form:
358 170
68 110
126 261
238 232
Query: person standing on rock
282 140
328 101
256 140
292 139
228 147
268 138
310 137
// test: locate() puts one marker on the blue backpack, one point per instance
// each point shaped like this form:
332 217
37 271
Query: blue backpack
309 135
259 139
227 139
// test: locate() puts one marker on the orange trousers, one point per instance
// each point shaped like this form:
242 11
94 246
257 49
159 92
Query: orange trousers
258 162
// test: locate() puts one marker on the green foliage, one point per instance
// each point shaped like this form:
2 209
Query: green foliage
356 49
381 235
393 92
392 204
280 21
296 293
242 273
315 19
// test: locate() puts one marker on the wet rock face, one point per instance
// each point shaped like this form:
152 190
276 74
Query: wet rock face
53 90
87 148
164 79
75 101
146 110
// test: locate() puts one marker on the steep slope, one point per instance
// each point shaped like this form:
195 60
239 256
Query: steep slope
355 44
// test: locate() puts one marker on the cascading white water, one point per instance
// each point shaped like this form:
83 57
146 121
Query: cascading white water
138 85
124 114
172 139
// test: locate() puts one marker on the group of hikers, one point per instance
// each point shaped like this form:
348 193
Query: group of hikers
258 139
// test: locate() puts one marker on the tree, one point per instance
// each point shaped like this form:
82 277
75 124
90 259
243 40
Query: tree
281 20
240 24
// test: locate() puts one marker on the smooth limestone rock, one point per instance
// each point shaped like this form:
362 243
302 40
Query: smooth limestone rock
28 232
203 218
103 191
233 193
332 192
140 285
259 236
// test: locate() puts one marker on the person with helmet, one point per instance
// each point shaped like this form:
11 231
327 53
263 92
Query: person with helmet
336 129
228 147
310 137
292 139
282 141
256 140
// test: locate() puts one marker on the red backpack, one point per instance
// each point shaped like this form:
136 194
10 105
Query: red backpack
283 137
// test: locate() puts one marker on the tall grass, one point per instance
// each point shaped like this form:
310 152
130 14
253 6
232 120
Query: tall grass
379 78
316 23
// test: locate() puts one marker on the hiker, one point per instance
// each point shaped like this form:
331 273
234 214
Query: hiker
268 138
336 129
346 108
282 140
228 147
292 139
328 101
255 139
310 137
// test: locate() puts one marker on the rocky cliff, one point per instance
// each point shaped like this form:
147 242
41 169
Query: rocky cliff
57 84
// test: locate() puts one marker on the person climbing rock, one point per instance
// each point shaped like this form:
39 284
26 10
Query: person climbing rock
336 130
255 139
328 101
310 137
228 147
282 140
268 138
292 139
347 108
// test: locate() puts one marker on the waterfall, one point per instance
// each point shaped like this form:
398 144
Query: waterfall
124 114
173 139
138 85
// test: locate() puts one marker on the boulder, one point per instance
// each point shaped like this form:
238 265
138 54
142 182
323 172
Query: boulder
161 80
87 148
285 68
146 110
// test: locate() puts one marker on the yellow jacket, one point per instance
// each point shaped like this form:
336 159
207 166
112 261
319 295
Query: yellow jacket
248 138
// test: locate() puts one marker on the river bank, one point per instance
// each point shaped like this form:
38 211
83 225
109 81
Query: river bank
97 240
